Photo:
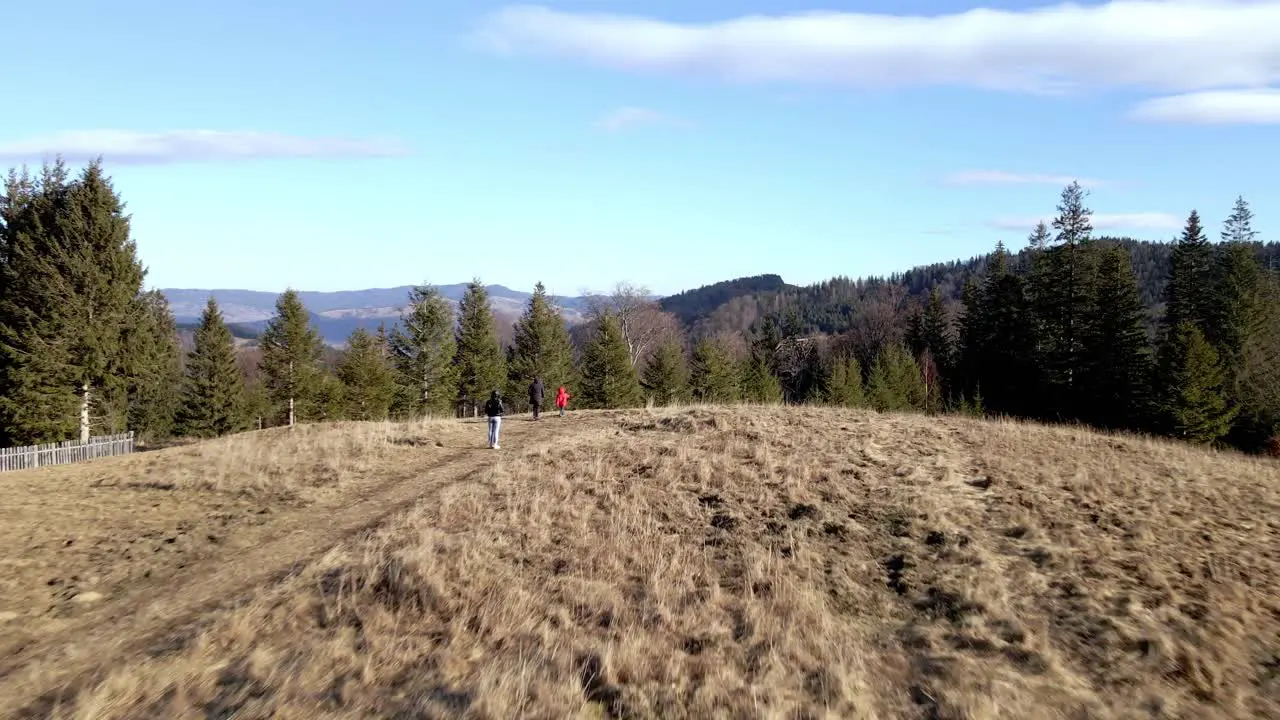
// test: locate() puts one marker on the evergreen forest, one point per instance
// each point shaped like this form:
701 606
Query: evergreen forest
1178 339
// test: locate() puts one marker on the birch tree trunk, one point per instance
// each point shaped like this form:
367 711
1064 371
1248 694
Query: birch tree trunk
84 413
426 394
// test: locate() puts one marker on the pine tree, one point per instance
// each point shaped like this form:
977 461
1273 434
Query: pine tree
111 277
1244 329
997 350
1117 372
972 339
155 376
423 354
19 190
1257 381
609 380
842 385
1195 408
931 330
1237 309
213 400
1064 299
757 373
71 280
1189 291
1038 240
895 383
713 376
1011 379
329 401
1238 227
1037 288
37 400
1237 303
757 383
972 406
382 339
257 404
766 335
541 348
666 378
367 379
291 350
479 359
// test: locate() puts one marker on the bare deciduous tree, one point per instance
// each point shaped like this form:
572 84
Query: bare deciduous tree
932 382
645 326
879 322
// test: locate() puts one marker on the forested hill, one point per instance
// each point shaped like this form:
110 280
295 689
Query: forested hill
835 305
240 331
691 305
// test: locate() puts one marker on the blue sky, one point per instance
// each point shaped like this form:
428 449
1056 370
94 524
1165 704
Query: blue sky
338 145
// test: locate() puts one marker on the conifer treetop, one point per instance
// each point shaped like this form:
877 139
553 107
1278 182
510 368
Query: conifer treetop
1238 227
1073 221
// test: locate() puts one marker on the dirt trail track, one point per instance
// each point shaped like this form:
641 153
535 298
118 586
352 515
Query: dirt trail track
167 607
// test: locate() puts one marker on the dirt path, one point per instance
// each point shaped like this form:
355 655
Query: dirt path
51 658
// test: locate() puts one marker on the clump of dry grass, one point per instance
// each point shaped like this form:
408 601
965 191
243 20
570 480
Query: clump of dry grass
281 462
771 562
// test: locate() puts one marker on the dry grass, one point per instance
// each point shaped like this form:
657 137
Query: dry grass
281 463
760 562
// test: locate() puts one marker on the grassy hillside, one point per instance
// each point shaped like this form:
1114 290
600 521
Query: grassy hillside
749 562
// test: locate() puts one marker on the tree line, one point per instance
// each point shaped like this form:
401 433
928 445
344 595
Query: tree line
1066 337
1057 332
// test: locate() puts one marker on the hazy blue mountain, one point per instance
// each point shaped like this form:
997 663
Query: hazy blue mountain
337 314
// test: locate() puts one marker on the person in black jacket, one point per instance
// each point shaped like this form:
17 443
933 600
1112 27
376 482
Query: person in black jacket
493 409
536 393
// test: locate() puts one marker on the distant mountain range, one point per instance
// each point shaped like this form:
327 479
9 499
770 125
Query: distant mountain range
728 306
336 314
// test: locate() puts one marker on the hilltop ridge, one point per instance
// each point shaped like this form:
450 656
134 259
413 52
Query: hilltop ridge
752 562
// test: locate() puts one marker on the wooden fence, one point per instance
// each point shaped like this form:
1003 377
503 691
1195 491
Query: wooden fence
63 453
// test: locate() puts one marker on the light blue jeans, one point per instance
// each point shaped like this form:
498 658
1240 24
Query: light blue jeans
495 426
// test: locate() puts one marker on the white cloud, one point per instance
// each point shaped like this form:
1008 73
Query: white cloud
1162 45
1258 106
1001 177
626 118
1100 221
173 146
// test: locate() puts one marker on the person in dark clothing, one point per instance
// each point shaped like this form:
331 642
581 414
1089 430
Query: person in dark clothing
536 392
493 409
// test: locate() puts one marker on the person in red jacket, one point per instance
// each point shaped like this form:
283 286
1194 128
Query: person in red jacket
562 399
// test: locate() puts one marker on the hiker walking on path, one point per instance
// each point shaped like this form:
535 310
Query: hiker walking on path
562 399
493 409
536 392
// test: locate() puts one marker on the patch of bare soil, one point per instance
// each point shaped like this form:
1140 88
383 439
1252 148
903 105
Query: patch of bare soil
749 562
